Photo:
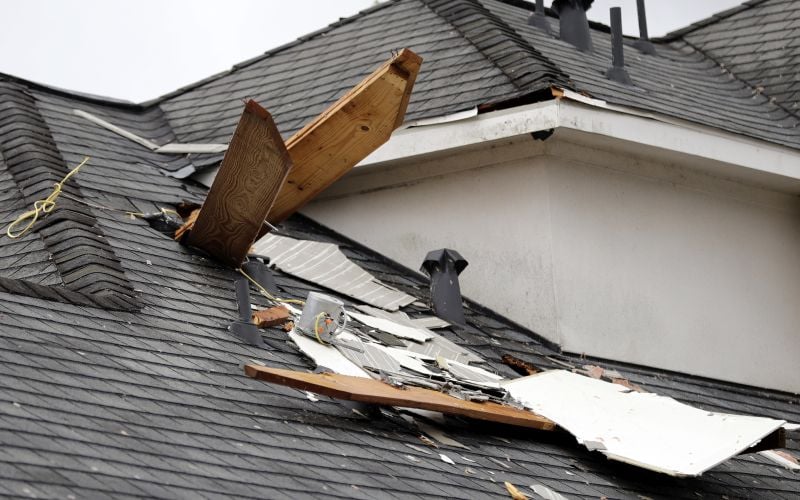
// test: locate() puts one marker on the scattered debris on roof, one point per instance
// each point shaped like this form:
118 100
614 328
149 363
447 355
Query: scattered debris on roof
255 165
642 429
325 265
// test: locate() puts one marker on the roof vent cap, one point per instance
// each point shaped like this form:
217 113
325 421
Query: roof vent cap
443 266
643 43
573 24
538 18
617 71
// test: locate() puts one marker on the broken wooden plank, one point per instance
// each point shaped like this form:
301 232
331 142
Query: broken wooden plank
346 133
372 391
273 316
249 178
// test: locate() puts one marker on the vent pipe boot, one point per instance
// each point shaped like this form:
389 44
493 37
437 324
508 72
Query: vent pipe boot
643 43
573 25
244 327
617 70
262 275
443 266
538 18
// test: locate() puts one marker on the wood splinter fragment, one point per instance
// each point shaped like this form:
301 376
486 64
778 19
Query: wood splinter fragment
273 316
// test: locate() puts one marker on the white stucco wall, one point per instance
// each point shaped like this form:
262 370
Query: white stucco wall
608 254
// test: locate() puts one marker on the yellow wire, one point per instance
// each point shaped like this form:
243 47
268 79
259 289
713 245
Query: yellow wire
266 293
41 206
316 328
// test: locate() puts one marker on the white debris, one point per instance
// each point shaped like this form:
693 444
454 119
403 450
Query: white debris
446 459
311 396
781 458
389 326
642 429
546 493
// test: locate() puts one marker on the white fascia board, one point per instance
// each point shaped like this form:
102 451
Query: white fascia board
477 129
591 116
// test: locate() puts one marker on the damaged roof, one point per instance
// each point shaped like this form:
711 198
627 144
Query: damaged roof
152 401
119 375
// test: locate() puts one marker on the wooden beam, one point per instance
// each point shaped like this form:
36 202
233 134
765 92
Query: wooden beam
346 133
249 178
367 390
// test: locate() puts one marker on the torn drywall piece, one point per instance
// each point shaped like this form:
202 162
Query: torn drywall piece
642 429
440 436
325 356
469 373
389 326
325 265
546 493
440 346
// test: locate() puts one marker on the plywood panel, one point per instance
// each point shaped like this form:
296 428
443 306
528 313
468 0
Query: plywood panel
249 178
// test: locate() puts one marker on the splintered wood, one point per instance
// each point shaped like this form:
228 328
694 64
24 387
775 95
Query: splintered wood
346 133
366 390
273 316
252 171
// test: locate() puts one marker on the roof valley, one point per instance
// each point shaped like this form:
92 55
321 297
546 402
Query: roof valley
500 44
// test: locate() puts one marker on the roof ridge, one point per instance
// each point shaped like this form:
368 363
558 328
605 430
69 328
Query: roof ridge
84 259
712 19
248 62
460 14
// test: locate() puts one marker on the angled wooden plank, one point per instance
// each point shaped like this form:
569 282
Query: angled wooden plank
249 178
346 133
368 390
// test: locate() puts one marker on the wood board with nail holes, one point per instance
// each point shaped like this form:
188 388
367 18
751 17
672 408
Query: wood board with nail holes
366 390
252 171
346 133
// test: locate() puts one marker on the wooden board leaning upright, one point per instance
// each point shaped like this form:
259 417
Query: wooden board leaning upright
252 171
346 133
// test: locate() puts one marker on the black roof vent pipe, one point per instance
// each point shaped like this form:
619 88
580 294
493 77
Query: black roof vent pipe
444 266
244 327
643 43
617 70
573 24
538 18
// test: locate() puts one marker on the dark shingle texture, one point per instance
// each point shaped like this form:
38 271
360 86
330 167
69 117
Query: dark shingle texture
300 81
678 82
758 43
154 403
475 52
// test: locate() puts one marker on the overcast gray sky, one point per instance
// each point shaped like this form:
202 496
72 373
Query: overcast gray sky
141 49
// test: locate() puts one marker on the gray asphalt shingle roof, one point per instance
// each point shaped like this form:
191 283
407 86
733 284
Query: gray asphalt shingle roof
150 400
759 43
479 51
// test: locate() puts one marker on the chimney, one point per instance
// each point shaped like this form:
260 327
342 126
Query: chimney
443 266
643 43
538 18
573 25
617 70
244 327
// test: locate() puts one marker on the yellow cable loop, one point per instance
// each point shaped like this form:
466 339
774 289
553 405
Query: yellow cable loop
41 206
266 293
316 328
